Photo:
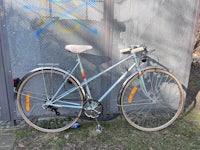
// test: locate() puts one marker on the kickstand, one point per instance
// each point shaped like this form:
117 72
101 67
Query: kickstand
98 127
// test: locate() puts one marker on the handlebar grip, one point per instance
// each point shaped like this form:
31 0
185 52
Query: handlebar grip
139 49
125 50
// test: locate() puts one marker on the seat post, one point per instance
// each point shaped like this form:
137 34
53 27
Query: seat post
84 76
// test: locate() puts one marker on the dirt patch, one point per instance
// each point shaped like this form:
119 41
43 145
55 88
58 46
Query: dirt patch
196 52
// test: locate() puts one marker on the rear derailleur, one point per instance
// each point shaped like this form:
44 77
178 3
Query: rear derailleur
51 108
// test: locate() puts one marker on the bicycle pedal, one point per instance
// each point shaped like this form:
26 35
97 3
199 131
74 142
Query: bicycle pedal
99 129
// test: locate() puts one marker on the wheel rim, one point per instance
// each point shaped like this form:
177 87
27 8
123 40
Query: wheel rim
151 115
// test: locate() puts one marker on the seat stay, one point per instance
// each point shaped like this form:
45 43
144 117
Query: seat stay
62 85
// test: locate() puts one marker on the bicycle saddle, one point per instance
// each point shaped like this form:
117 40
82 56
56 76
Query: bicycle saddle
78 48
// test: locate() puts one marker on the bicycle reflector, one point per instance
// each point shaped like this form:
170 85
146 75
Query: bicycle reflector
16 82
132 94
27 102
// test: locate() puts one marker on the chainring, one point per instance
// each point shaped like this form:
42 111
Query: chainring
92 108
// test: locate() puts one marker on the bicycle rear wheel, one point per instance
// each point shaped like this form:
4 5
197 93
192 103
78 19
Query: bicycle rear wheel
39 87
156 108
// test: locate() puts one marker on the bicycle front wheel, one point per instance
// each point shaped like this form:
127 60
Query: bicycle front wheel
152 99
37 89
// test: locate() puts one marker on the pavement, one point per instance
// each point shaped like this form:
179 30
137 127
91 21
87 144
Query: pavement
7 138
6 141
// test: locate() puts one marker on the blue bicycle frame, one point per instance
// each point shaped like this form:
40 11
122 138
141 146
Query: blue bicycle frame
85 82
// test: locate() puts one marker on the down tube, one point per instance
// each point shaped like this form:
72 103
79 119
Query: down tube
117 82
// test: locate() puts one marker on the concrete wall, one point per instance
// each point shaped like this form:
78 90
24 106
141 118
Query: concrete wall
165 25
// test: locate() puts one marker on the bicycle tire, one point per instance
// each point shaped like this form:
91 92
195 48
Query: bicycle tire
157 109
38 87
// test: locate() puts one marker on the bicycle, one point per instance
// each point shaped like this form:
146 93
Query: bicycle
51 100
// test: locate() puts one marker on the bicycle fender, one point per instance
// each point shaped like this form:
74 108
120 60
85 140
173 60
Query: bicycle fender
44 68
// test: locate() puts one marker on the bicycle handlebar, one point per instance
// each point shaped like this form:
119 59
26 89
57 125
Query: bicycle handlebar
133 50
